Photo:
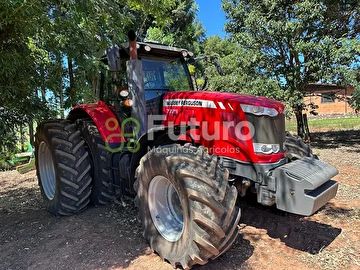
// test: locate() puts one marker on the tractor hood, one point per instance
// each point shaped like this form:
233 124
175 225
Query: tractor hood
229 122
219 100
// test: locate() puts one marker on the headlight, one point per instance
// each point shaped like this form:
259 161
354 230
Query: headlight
147 48
184 53
263 148
124 93
259 110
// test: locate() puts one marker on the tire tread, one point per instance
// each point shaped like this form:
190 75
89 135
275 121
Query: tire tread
71 168
214 217
103 191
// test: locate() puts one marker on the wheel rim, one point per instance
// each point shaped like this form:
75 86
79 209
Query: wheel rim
165 208
46 170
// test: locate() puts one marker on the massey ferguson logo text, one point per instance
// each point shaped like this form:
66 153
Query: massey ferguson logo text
189 103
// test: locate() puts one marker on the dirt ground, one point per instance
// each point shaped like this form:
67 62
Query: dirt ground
110 237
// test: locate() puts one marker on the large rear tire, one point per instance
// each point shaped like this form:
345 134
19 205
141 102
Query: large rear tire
187 207
296 148
102 192
63 167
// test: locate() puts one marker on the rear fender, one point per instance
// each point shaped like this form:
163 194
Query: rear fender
104 119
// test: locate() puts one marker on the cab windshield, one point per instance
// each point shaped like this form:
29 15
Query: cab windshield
162 75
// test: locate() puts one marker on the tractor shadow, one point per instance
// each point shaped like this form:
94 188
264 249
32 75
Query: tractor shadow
104 237
235 258
295 231
335 139
32 238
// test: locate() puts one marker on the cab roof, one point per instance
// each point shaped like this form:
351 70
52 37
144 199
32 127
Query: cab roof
158 49
151 48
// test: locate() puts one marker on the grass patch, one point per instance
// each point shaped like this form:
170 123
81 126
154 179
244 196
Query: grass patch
330 124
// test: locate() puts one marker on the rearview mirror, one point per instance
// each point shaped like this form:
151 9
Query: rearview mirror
113 56
218 67
206 58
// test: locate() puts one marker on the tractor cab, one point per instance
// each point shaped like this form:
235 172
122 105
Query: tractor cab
164 70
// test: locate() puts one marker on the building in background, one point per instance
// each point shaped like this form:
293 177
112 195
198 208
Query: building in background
329 98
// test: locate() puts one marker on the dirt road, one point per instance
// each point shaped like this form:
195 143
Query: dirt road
110 237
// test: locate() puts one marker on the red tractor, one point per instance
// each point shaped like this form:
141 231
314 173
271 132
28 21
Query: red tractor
184 155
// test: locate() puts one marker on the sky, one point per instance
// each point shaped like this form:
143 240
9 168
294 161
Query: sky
211 16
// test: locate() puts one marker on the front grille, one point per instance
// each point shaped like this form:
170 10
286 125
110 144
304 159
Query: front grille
268 130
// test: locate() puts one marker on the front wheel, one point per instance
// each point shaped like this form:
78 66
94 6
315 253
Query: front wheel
187 207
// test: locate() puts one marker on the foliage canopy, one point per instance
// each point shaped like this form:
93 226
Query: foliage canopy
297 42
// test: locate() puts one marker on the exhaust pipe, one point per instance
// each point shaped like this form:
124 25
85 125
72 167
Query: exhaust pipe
132 45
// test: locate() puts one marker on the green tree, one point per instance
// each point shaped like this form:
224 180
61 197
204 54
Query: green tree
77 31
36 37
240 69
355 99
297 42
49 53
183 30
18 22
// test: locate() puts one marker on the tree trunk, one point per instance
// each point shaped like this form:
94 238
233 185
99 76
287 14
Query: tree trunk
43 88
302 124
94 84
306 127
31 132
22 140
62 116
60 81
72 86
